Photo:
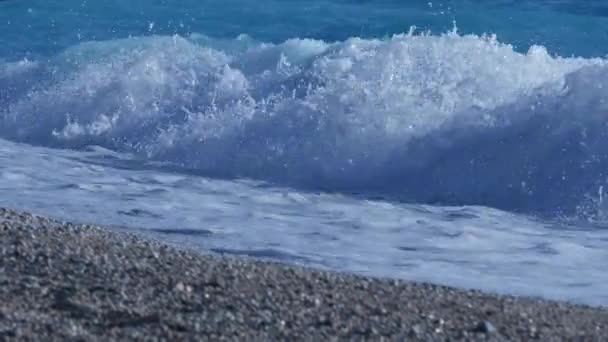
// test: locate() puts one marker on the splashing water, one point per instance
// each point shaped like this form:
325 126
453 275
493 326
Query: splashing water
421 118
329 140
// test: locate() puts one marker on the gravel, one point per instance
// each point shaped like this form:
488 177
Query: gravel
62 281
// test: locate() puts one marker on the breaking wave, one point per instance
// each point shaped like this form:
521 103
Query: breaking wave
451 119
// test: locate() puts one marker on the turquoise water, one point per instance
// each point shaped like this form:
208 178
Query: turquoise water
460 142
39 27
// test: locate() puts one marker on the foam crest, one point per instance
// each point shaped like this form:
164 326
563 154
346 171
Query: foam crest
450 118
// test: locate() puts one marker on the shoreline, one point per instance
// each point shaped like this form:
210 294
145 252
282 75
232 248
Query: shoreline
64 281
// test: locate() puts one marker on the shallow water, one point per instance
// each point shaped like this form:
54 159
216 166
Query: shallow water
466 151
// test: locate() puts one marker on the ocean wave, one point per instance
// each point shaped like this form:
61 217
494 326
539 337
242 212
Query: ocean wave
451 119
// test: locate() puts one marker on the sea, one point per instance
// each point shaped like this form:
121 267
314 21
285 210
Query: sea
462 142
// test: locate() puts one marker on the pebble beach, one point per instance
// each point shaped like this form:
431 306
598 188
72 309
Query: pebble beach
64 281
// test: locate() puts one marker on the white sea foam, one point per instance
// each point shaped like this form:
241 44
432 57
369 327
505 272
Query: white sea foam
448 119
473 247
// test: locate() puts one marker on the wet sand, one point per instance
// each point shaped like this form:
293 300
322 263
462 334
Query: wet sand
62 281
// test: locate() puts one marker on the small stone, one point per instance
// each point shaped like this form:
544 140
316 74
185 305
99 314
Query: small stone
317 302
6 333
438 321
324 321
181 287
416 331
485 327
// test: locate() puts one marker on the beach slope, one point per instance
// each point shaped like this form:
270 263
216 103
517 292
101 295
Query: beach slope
62 281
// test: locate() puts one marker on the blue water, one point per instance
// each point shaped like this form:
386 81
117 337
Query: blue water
460 142
565 27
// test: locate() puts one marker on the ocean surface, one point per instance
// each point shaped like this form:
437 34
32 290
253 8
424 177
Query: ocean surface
461 142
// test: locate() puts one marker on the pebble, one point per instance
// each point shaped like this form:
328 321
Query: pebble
486 328
416 331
